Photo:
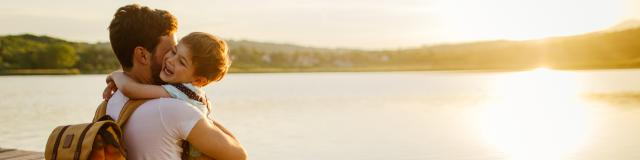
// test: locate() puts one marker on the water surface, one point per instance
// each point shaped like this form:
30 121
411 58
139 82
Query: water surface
541 114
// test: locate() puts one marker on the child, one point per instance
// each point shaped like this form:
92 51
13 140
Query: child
197 60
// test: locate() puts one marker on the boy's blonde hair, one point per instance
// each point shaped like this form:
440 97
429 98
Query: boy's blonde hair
209 55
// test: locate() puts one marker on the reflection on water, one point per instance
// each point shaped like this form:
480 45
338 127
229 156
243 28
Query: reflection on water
539 114
624 100
536 114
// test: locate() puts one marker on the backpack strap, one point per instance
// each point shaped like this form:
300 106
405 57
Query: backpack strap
128 110
125 114
101 111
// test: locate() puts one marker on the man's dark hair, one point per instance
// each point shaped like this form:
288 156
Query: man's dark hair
134 25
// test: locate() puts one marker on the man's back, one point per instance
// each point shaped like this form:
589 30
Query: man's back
156 128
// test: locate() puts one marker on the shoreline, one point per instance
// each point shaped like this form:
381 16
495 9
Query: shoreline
35 72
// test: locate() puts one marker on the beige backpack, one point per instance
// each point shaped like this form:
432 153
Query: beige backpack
101 139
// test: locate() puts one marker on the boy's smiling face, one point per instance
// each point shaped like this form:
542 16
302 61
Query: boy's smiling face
178 66
166 44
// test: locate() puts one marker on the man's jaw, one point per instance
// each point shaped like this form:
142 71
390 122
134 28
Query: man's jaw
155 74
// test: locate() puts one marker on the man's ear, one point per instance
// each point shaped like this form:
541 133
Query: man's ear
200 81
141 55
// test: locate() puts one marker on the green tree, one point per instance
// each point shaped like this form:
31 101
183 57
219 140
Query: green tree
97 58
56 56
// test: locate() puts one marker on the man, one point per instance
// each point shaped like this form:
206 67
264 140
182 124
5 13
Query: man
140 37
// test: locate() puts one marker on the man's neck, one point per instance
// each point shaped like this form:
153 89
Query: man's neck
138 77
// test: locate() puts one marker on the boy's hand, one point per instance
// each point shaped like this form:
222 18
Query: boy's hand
109 79
110 76
109 90
111 85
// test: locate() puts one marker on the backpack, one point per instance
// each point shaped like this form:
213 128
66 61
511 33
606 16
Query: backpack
101 139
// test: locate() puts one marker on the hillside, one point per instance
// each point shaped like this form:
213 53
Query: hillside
620 49
612 49
625 25
280 48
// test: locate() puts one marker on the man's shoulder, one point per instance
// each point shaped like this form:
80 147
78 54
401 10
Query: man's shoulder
167 102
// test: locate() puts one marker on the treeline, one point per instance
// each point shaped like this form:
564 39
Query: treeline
619 49
24 52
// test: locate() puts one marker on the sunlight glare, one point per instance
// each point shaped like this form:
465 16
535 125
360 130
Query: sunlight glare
536 115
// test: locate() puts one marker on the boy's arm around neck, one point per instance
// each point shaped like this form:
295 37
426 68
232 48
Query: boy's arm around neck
135 90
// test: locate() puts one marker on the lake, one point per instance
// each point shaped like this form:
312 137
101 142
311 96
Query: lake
537 114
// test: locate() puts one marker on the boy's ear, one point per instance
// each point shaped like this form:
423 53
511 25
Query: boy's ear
200 81
141 55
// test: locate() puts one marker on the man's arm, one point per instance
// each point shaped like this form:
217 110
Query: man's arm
216 141
225 130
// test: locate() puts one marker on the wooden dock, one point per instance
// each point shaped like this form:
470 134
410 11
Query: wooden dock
14 154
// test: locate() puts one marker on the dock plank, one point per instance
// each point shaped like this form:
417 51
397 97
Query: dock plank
5 150
28 157
13 154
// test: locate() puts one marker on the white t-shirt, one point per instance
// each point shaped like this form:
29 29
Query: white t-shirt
155 129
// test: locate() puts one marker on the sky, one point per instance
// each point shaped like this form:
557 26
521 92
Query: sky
357 24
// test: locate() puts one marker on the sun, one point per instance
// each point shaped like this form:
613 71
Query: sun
535 114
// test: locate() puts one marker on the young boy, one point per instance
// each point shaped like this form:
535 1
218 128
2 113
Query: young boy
197 60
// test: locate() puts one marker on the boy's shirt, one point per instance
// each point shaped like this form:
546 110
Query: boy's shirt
177 94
